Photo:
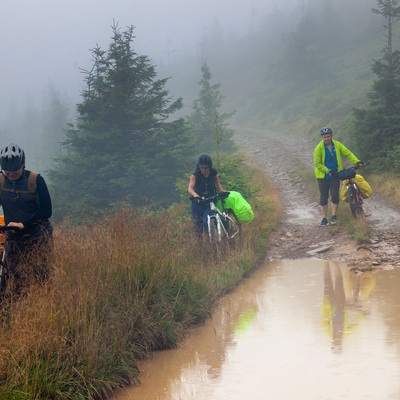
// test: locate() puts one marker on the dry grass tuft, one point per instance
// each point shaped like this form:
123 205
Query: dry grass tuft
387 186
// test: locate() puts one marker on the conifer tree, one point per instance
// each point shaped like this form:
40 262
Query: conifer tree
377 128
124 146
207 123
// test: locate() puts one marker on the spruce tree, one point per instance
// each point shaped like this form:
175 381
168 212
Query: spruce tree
377 127
124 145
207 122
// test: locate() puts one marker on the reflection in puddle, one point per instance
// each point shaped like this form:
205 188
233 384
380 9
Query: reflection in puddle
342 312
297 329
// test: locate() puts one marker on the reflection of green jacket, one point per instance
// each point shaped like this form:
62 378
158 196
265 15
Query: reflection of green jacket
319 157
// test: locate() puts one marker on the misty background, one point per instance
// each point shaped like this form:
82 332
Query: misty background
292 65
46 43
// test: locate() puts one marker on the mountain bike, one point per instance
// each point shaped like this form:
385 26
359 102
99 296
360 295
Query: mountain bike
223 228
354 195
3 267
3 262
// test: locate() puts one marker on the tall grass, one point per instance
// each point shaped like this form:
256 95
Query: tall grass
132 283
357 228
388 186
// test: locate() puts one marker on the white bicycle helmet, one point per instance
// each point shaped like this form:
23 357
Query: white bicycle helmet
12 157
326 131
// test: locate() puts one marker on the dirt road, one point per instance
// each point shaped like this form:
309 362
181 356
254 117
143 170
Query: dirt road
299 235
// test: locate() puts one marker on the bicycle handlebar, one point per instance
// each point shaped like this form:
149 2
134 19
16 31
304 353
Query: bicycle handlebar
4 228
359 165
218 196
347 173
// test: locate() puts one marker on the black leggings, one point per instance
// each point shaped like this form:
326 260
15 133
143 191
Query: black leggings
328 185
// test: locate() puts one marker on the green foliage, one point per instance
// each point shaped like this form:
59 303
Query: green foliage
377 127
207 124
124 146
233 174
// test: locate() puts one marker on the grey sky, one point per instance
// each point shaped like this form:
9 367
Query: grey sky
47 41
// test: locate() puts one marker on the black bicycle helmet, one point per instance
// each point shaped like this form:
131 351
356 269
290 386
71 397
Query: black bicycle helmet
326 131
12 157
204 161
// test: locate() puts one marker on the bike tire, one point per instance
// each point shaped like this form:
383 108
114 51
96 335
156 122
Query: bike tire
214 235
356 207
3 272
233 229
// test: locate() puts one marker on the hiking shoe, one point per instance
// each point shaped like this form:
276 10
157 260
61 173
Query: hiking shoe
324 222
333 220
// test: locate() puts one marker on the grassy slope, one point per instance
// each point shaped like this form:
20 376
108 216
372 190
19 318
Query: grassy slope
130 284
249 72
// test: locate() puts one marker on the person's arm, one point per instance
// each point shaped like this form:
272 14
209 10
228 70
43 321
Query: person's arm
348 154
192 183
319 161
218 185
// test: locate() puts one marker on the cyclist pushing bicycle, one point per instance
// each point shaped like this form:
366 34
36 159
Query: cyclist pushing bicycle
27 207
327 161
204 182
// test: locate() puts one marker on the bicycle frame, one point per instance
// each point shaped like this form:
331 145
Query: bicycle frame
3 271
3 261
354 195
221 226
219 216
355 199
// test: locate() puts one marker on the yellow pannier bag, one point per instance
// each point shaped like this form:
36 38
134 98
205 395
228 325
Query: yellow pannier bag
2 236
362 184
343 192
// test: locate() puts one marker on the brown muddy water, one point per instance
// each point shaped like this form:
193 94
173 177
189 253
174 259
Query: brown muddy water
297 329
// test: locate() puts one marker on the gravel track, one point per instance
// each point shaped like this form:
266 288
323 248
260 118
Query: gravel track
299 235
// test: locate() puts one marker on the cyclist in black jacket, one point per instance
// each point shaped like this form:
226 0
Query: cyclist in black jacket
29 246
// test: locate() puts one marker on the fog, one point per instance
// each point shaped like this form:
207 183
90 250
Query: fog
48 42
46 45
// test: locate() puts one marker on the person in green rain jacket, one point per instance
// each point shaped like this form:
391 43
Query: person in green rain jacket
328 160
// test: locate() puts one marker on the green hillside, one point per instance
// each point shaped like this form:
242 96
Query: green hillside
303 68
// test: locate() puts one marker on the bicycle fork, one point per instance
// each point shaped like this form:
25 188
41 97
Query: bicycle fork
214 219
355 193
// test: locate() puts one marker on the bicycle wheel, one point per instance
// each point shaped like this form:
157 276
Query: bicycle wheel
3 272
355 202
214 234
233 229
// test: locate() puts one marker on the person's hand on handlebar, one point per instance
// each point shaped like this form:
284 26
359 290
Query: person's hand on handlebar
360 164
196 198
331 172
18 225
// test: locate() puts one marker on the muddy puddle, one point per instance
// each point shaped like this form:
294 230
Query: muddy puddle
297 329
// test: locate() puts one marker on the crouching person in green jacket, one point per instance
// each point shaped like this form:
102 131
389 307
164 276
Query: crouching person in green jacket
327 160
